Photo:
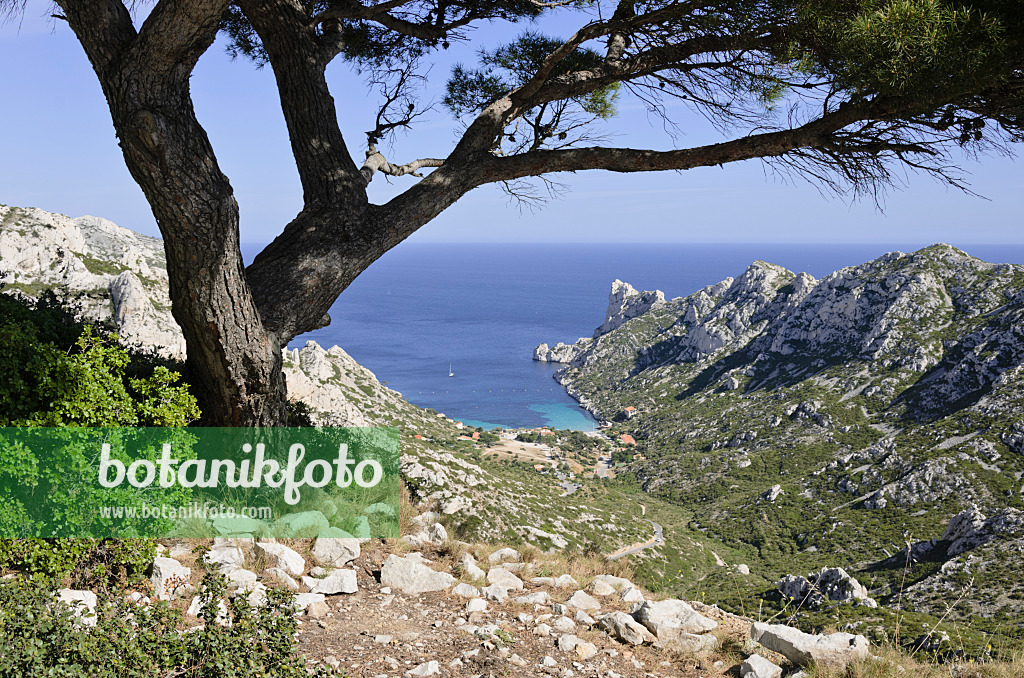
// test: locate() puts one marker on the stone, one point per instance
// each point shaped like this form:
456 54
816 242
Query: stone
585 650
618 583
255 594
667 619
240 578
567 642
535 598
169 578
476 605
631 595
436 534
548 661
470 569
581 601
742 569
516 660
757 666
466 591
496 593
584 618
282 557
773 493
563 625
225 557
836 650
303 524
431 668
279 576
82 604
691 643
304 600
317 609
504 555
542 630
830 584
624 628
335 552
338 581
566 581
601 588
410 576
502 577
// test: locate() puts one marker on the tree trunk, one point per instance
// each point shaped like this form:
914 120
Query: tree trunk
234 364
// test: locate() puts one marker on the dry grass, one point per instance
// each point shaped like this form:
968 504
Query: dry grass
891 663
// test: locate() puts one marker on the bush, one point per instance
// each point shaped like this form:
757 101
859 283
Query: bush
42 637
67 375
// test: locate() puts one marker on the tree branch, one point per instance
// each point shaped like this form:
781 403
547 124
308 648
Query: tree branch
104 27
176 33
376 162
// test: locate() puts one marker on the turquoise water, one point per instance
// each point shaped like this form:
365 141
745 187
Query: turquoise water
483 309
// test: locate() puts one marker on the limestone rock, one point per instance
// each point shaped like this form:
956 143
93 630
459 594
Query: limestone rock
830 584
835 650
170 578
667 619
624 628
82 603
504 555
581 601
282 557
757 666
279 576
502 577
470 569
431 668
496 593
466 591
338 581
410 576
335 552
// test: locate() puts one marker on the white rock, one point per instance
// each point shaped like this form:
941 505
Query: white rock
504 555
566 582
581 601
466 591
335 552
502 577
431 668
169 578
667 619
618 583
470 569
624 628
835 650
304 600
282 557
496 593
279 576
240 578
601 588
225 556
338 581
409 576
82 603
631 595
436 534
535 598
476 605
757 666
563 625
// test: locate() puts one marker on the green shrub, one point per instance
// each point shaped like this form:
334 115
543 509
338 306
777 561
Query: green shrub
66 375
43 638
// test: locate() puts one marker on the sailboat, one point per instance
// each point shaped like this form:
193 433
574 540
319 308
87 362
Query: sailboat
450 373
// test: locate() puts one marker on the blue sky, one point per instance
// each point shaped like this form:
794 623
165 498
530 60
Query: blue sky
59 153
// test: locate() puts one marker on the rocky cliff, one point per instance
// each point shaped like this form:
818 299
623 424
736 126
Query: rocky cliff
801 419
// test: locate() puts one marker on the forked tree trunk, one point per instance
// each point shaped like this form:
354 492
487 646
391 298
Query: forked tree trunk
234 363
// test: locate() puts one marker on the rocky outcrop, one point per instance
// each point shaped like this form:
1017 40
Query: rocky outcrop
831 584
624 303
107 272
969 530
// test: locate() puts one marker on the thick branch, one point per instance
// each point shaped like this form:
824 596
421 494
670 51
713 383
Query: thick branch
176 33
104 28
325 167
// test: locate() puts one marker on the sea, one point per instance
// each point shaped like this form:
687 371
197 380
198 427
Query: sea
477 311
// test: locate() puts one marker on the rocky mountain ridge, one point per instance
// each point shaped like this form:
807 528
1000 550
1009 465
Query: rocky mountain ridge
851 413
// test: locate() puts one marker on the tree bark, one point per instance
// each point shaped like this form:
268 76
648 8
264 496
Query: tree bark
234 364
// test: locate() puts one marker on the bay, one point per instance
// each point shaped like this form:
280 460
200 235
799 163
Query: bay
482 308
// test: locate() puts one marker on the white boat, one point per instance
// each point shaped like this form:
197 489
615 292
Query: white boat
450 373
